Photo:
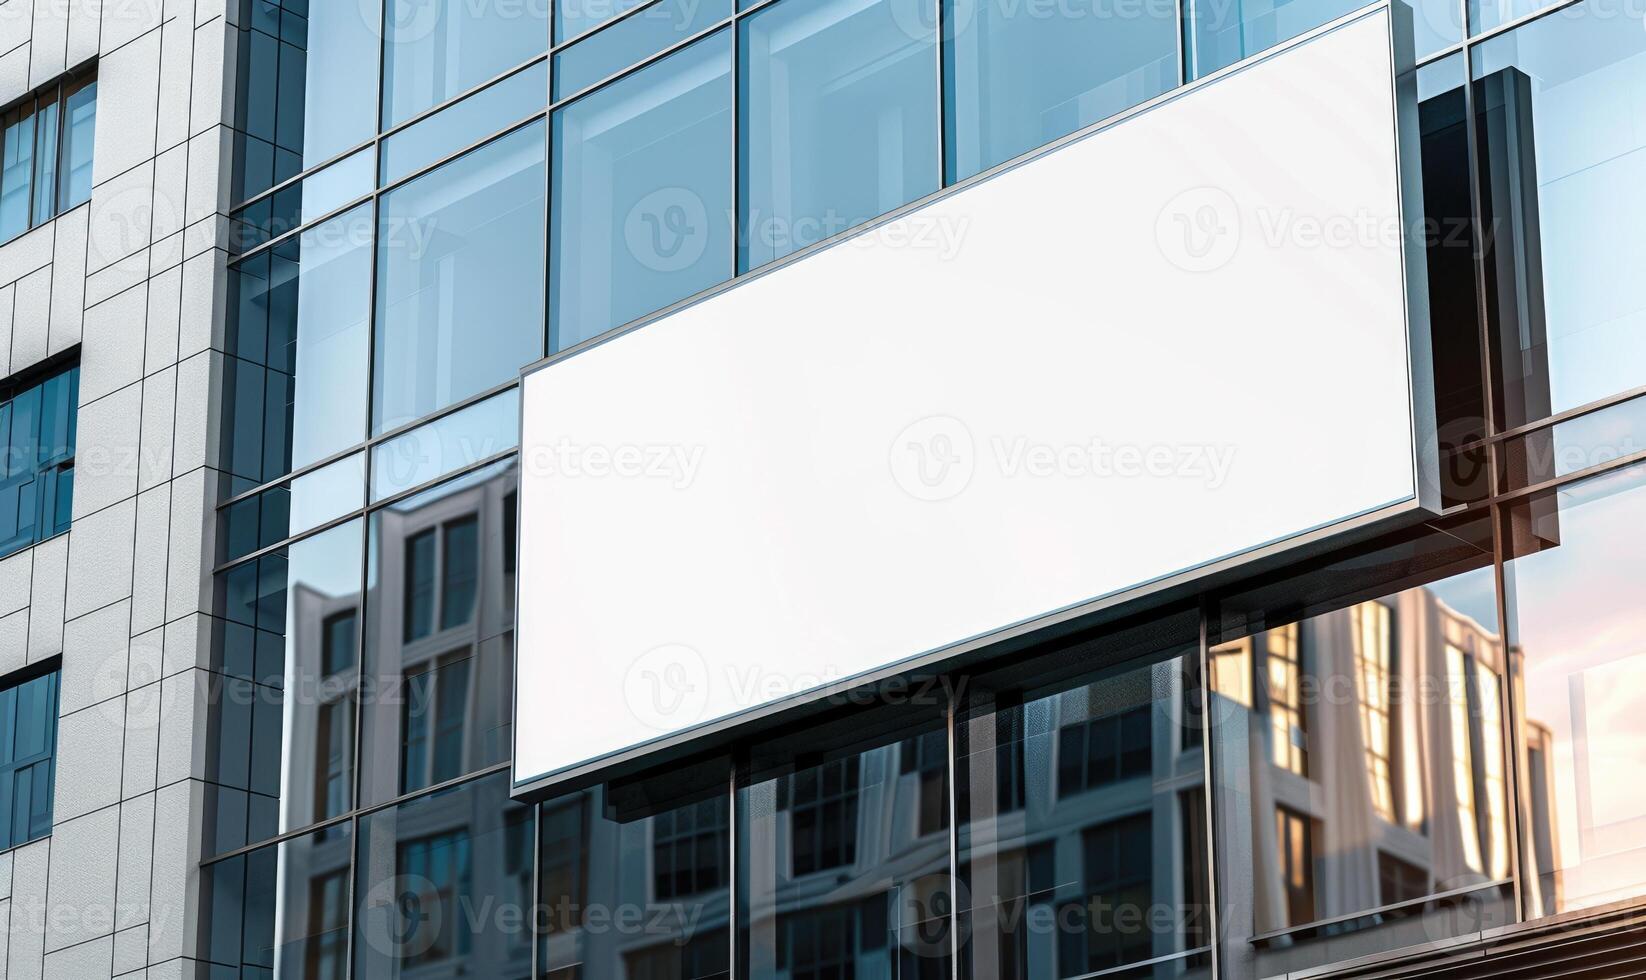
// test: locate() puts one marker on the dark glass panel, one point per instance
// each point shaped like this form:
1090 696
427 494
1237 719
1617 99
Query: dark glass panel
281 751
1082 810
635 877
297 335
37 424
843 850
443 886
281 912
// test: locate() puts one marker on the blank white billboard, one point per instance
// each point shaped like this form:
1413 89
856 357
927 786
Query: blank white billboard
1163 346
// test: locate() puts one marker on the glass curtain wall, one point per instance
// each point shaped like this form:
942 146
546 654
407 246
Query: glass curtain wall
1460 697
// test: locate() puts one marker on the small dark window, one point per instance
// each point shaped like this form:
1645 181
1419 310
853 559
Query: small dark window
28 751
419 598
37 421
1105 750
459 572
1295 835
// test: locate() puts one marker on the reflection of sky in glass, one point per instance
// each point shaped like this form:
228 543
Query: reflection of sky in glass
1582 626
328 563
1474 594
1587 76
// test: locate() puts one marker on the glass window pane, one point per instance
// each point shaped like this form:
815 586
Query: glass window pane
337 76
426 869
338 184
1358 719
439 635
1577 558
45 157
1084 804
1222 33
283 757
450 443
838 103
298 318
460 279
660 26
437 51
79 136
656 851
16 170
1435 24
328 493
1018 79
37 476
642 186
1563 185
1576 444
476 117
1487 14
282 912
574 18
843 853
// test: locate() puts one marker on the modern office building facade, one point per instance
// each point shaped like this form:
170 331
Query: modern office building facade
410 402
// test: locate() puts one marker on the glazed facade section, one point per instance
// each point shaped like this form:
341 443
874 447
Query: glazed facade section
1424 738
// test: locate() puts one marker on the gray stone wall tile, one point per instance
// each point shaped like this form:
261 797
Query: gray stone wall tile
100 557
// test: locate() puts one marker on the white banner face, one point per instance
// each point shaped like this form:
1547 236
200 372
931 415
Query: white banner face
1172 343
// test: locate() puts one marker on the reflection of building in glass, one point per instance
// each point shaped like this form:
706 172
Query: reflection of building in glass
442 632
1406 792
1082 838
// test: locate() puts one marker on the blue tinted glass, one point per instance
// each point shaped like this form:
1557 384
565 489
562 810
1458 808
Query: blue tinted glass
246 901
79 126
1434 24
1022 75
1563 187
337 185
327 493
450 443
437 51
422 869
574 18
439 558
45 159
16 170
632 39
297 346
37 425
642 186
838 103
1223 32
338 78
1487 14
460 279
290 724
473 119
